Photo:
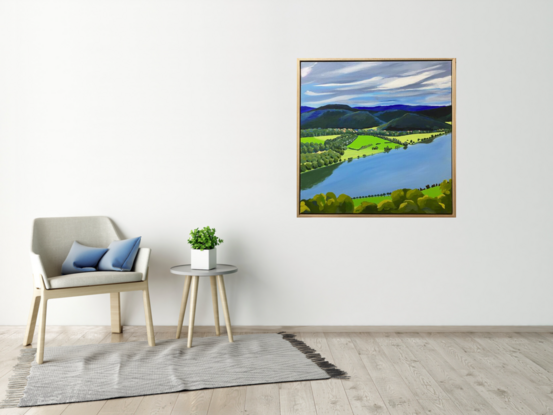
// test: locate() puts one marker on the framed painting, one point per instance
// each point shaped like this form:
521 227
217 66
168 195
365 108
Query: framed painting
376 137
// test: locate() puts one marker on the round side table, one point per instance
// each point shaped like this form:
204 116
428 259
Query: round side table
193 277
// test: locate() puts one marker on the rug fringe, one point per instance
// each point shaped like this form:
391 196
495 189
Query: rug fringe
18 381
315 357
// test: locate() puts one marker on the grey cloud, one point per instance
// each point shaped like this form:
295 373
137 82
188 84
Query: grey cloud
354 78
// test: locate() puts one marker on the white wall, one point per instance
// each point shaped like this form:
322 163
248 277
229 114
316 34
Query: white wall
169 115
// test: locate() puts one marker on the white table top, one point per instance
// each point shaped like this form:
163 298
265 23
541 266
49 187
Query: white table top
221 269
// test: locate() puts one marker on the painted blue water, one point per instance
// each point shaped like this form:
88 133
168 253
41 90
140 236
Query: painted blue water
414 167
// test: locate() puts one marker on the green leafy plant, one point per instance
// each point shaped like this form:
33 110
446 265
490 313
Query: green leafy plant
204 238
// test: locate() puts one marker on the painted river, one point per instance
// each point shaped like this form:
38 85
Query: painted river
414 167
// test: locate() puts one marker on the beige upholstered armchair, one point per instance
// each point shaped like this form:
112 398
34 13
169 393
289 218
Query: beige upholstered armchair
51 242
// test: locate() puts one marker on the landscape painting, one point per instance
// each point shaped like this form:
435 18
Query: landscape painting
376 138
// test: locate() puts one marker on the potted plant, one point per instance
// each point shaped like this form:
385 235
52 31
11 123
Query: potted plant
203 243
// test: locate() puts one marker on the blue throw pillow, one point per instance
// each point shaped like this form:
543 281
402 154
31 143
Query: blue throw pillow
120 255
82 258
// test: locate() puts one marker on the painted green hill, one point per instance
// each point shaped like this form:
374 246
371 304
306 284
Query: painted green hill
335 107
415 122
361 119
338 116
390 115
441 114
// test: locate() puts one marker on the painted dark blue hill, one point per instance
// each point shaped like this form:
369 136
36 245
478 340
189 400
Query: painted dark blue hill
408 108
305 109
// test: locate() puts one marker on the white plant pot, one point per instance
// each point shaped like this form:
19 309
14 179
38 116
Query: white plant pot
206 259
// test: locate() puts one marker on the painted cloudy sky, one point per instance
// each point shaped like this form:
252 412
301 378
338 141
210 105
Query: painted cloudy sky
368 84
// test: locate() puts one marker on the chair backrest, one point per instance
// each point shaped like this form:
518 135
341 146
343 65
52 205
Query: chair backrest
53 237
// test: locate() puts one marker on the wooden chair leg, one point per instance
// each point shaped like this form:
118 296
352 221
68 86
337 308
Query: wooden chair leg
183 304
215 304
42 330
149 321
31 324
223 293
115 306
193 298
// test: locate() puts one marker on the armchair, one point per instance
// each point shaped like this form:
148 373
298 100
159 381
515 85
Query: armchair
51 241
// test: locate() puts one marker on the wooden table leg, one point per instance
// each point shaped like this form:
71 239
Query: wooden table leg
183 304
193 298
223 293
215 304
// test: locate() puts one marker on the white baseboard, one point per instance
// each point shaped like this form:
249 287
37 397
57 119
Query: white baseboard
374 329
336 329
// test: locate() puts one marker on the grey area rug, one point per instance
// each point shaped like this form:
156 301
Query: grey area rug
105 371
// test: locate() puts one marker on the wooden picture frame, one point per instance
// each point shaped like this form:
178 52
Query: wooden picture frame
435 80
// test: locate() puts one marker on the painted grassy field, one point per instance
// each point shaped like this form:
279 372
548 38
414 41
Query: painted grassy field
318 140
365 140
413 137
432 192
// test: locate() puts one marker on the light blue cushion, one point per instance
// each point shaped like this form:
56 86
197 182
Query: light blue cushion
120 255
82 258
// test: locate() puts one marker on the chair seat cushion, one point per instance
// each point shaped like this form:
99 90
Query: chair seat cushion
93 278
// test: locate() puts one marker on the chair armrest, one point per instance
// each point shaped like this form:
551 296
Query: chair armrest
39 274
142 261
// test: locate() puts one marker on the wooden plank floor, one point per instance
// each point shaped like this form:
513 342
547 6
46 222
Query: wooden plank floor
391 373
